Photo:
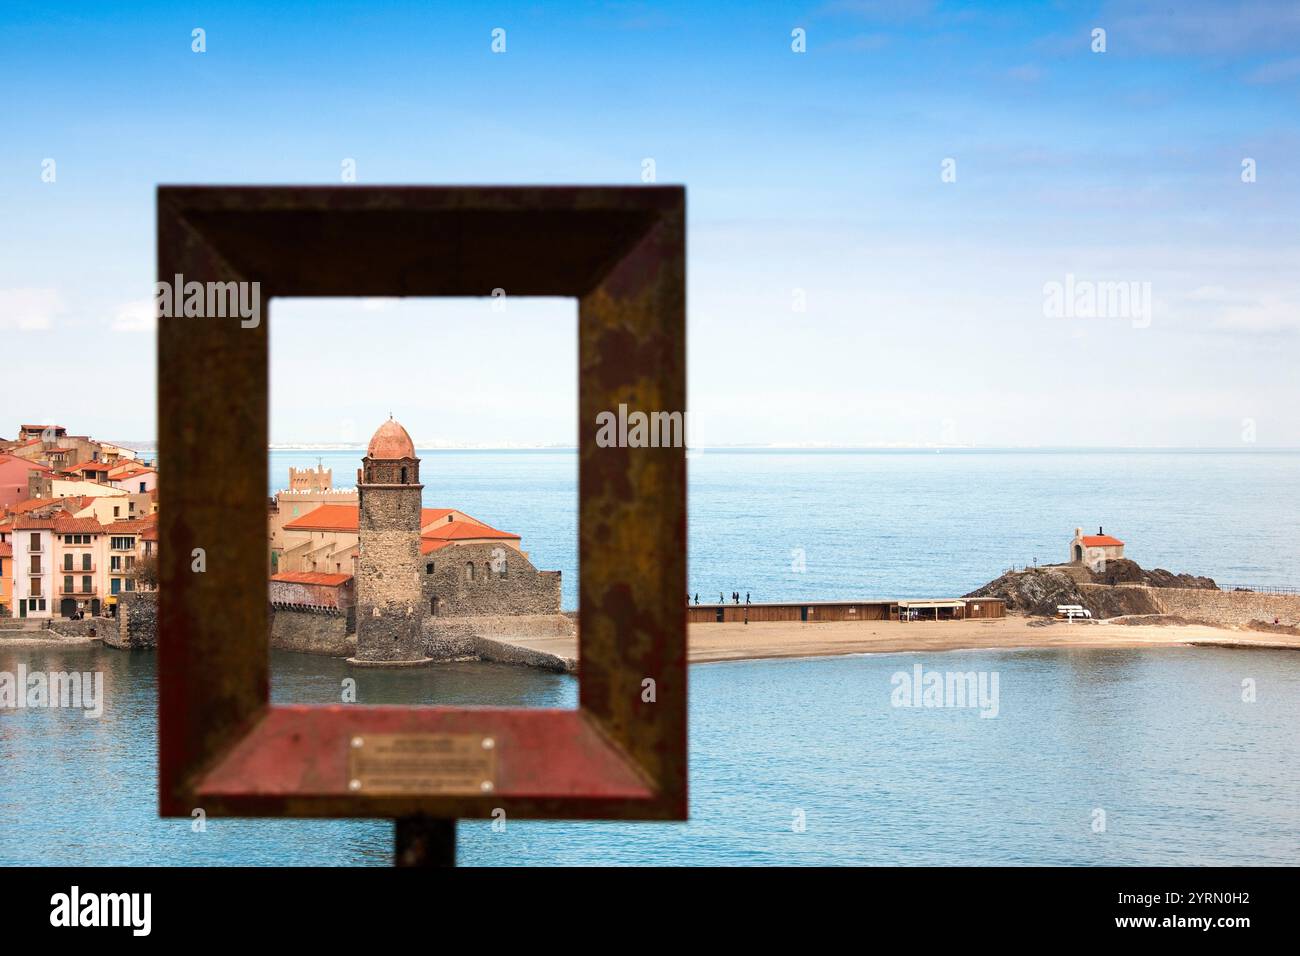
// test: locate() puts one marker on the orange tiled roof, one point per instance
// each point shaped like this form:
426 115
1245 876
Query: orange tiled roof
6 550
327 518
77 526
460 530
311 577
430 545
39 524
348 518
1102 541
34 504
132 525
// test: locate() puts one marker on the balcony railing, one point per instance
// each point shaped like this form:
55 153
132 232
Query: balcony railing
78 570
78 592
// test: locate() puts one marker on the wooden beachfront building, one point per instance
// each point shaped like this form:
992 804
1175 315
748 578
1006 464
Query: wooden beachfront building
812 612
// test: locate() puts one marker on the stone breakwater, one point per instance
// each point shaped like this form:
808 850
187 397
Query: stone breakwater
478 637
332 633
1124 589
1218 608
491 638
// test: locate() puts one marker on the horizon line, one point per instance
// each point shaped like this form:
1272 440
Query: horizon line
433 446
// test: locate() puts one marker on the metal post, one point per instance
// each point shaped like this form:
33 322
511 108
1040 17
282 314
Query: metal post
424 841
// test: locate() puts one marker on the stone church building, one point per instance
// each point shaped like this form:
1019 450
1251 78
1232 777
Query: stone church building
408 584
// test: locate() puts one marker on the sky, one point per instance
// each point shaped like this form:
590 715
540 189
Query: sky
877 225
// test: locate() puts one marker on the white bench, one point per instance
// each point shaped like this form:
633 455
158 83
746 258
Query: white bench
1071 611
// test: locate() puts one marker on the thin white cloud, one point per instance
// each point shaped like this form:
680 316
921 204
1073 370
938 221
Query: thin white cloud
138 316
1267 314
1234 311
29 310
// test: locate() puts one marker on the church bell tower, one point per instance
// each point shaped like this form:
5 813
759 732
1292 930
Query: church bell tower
389 601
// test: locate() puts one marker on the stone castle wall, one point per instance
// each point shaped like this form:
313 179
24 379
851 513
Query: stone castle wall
137 621
329 633
504 583
390 603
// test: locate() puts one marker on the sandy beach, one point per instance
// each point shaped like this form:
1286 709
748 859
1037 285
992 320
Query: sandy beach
772 639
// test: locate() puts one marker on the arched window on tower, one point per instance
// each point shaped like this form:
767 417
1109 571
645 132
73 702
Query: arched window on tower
469 570
403 474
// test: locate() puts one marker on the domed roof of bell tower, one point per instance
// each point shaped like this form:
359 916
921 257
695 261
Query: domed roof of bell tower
390 441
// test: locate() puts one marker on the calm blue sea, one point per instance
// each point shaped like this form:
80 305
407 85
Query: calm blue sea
1160 742
898 524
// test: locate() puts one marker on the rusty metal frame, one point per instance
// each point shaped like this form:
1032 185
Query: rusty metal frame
621 251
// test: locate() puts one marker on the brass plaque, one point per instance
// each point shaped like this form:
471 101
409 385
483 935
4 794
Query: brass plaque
422 763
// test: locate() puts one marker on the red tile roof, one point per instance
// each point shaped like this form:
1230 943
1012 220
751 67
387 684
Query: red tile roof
312 577
347 518
39 524
31 504
77 526
132 525
327 518
1102 541
430 545
6 550
460 530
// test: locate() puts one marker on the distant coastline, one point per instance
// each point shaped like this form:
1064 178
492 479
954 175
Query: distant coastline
829 449
152 446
